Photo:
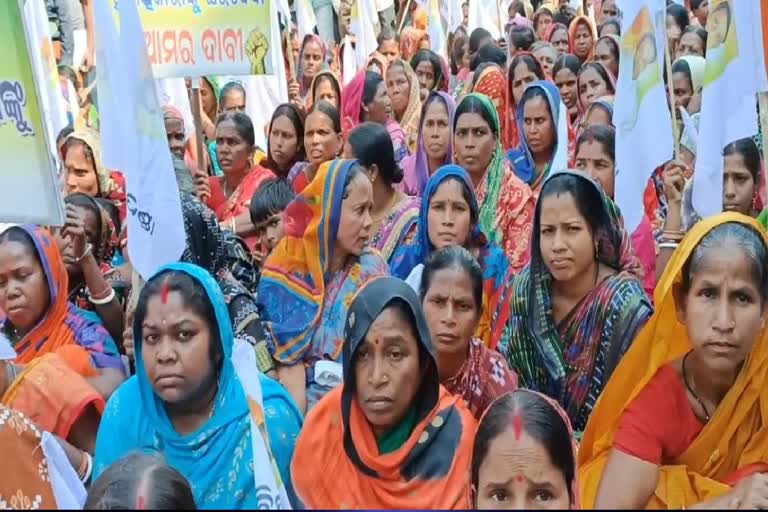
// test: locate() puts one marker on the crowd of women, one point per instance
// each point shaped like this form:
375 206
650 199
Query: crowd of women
420 294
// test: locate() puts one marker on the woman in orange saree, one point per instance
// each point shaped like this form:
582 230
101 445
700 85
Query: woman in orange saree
390 436
682 420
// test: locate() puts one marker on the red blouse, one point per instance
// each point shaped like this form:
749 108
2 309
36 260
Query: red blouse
659 424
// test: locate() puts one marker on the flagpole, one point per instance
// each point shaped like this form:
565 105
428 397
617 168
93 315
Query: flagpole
403 14
197 116
763 108
671 90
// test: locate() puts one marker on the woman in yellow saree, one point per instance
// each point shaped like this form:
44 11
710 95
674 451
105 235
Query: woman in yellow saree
683 422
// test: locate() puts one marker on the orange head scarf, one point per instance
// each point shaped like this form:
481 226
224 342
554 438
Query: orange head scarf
587 22
85 345
735 438
337 463
492 82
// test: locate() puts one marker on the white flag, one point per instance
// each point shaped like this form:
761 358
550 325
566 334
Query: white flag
436 29
453 13
305 18
44 66
485 14
155 224
735 73
362 25
109 86
348 62
643 123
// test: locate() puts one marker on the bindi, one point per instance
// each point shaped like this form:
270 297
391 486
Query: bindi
519 478
140 502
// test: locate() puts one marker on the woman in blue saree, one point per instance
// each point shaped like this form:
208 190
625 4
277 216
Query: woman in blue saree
197 398
449 215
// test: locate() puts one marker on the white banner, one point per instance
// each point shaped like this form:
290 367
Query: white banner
643 123
735 73
155 225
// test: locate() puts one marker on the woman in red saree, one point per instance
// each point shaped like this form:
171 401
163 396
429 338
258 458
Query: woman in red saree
230 194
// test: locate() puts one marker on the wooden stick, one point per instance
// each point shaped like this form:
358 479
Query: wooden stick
403 15
289 51
762 99
671 89
198 124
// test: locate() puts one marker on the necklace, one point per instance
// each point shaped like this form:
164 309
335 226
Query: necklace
692 392
377 220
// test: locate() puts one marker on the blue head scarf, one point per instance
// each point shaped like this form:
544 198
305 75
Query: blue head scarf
407 257
522 158
217 459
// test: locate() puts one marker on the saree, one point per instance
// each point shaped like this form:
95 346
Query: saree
735 436
111 183
522 158
573 360
52 395
227 461
337 463
27 486
483 378
304 90
506 202
397 228
587 21
216 250
240 199
305 304
410 119
84 344
497 273
351 103
416 167
492 82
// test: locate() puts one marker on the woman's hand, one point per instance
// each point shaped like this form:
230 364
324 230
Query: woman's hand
74 229
203 187
674 181
294 92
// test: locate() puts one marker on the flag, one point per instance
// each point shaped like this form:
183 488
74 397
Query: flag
109 84
735 73
44 65
485 14
155 224
361 24
436 30
305 18
764 24
348 62
643 122
453 14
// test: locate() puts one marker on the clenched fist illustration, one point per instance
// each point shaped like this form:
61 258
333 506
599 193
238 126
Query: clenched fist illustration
256 48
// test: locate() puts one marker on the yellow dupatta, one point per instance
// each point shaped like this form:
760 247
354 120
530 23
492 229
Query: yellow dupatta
735 437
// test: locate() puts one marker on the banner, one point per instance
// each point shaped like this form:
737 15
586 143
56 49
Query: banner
190 38
155 225
485 14
735 73
436 30
30 191
361 24
643 122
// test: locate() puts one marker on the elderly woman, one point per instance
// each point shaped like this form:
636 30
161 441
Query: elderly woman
311 276
390 436
679 424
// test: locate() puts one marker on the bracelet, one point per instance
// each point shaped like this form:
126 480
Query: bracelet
673 234
109 297
83 466
86 252
86 475
668 245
